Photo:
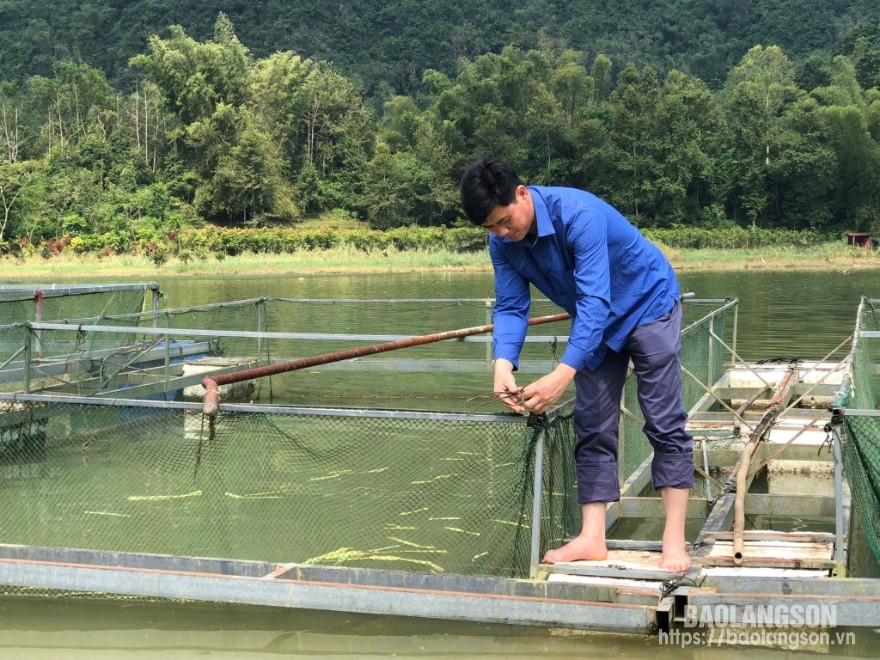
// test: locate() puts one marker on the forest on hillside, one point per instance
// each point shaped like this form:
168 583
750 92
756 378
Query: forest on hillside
386 45
208 129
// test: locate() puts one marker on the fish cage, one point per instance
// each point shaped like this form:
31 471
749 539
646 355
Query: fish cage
856 421
395 459
26 302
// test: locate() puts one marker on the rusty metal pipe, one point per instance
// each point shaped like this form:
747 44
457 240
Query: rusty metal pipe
213 383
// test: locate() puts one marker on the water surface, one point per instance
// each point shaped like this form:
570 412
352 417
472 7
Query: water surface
788 314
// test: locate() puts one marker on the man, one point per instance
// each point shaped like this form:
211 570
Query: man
624 300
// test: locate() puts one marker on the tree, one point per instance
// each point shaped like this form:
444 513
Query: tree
633 130
246 183
338 136
14 181
801 176
756 93
862 46
686 119
279 95
195 77
573 87
857 193
12 126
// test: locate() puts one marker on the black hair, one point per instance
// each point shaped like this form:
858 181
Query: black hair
487 183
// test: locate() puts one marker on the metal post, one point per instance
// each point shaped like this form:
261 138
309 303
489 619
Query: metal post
154 308
488 321
621 435
706 470
38 317
839 532
28 338
537 494
168 340
710 359
261 304
735 329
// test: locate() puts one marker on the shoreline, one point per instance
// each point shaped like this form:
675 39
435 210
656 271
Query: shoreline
830 258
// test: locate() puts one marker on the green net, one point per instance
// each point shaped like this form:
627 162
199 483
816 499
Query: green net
860 443
42 303
21 305
860 447
431 493
400 461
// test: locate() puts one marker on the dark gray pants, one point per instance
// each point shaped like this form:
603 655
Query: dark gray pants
654 350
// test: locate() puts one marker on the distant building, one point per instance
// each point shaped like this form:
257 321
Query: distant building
859 239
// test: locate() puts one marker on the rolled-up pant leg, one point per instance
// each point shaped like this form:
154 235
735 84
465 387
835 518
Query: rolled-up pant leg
596 419
655 352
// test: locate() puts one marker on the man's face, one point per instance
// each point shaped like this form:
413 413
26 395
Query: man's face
515 220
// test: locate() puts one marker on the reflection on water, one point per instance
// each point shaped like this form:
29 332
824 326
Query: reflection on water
800 314
41 628
50 629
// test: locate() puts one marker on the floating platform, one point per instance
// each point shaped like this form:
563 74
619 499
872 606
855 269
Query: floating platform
627 592
768 521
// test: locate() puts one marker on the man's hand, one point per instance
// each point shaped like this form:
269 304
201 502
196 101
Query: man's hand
540 396
506 389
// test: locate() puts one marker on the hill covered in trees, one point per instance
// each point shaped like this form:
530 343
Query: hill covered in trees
386 45
122 155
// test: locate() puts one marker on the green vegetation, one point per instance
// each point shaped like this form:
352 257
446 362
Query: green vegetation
202 147
386 45
832 257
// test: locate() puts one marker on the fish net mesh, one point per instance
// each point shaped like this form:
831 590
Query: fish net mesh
860 440
414 466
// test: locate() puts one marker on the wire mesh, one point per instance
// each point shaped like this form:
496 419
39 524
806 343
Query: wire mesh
22 305
413 468
436 495
860 443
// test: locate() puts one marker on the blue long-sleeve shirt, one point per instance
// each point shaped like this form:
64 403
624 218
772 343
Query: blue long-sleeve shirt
588 259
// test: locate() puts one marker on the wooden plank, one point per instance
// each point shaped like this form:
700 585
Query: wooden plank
767 562
804 506
613 590
770 549
771 535
630 564
773 554
786 582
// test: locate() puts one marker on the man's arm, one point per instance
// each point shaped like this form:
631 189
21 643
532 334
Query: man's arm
511 312
511 318
587 238
588 242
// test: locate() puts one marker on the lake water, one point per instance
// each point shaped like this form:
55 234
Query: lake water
787 314
794 313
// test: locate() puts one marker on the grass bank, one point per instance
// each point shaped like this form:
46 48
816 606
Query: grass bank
829 257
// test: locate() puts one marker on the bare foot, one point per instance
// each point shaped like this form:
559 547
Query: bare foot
580 548
675 557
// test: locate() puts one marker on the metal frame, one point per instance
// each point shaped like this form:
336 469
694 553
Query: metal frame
369 591
533 602
18 290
